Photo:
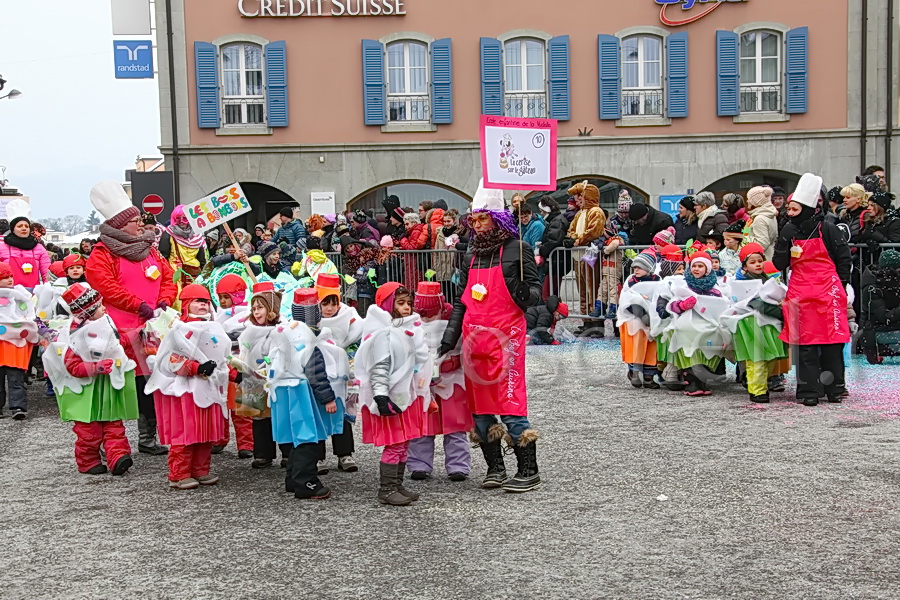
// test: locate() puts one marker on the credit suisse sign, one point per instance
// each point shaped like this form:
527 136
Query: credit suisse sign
321 8
675 19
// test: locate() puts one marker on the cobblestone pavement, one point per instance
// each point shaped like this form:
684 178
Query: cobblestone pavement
646 495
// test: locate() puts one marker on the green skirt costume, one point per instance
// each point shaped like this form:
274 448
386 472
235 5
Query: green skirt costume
99 401
683 361
759 344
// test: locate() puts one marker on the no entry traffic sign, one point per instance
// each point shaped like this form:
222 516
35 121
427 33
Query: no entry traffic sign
153 204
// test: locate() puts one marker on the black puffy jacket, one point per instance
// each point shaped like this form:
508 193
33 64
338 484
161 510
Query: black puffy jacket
554 233
539 319
880 297
853 219
831 236
516 256
642 235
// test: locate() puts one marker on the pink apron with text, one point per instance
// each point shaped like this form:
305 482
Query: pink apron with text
133 277
493 349
815 309
20 277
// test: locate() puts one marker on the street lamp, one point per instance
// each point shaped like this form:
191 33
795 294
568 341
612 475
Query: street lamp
12 95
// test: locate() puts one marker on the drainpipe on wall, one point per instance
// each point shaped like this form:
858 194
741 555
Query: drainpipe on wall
170 45
863 82
890 106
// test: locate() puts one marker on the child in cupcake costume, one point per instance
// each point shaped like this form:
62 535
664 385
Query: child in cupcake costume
671 269
94 383
252 361
393 367
451 416
18 335
190 388
232 312
345 327
633 320
307 386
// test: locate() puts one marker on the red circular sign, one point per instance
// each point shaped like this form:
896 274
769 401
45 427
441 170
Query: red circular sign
153 204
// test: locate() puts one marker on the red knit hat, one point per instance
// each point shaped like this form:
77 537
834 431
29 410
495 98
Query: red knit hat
385 294
328 285
704 258
194 291
73 260
231 284
751 248
57 268
82 300
563 309
429 299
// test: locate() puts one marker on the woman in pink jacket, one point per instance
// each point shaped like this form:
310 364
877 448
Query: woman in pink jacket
27 258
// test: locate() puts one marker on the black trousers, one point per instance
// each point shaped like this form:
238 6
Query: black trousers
264 442
12 382
146 406
820 370
302 476
341 444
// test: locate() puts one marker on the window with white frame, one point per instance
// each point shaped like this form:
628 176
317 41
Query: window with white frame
407 74
642 79
761 72
243 96
525 81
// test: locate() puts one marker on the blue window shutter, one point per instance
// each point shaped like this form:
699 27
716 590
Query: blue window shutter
442 82
558 70
677 74
728 78
491 77
276 85
609 60
374 101
796 80
206 63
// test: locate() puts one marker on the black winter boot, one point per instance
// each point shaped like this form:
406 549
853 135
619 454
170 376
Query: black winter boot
388 490
147 443
493 456
527 477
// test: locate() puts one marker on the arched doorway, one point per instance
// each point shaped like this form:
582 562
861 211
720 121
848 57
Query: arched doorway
741 183
411 193
609 192
265 202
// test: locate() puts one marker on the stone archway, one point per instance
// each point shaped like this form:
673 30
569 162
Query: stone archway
410 192
609 191
742 181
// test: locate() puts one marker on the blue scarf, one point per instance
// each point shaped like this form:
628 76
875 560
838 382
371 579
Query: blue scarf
704 285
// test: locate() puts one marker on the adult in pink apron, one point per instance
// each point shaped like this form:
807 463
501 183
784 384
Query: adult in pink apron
134 280
25 255
815 309
498 282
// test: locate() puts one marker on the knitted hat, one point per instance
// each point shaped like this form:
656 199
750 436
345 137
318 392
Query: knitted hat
265 292
665 237
328 284
386 241
18 210
715 235
870 183
83 301
882 199
5 271
713 255
808 189
56 268
770 269
563 309
111 201
735 230
306 307
429 299
267 248
625 202
749 249
73 260
230 284
644 261
385 295
194 291
637 211
704 259
287 211
758 196
888 259
689 203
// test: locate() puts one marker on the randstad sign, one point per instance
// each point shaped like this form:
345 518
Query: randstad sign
673 19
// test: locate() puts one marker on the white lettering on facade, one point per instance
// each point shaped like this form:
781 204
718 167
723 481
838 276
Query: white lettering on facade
314 8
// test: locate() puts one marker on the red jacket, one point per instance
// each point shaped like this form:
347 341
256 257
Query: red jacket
102 274
78 367
416 238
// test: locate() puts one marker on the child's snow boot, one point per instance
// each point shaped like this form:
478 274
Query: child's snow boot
526 477
389 487
612 311
598 310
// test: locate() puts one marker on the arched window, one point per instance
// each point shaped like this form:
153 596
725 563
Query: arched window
407 74
525 80
760 71
642 75
243 95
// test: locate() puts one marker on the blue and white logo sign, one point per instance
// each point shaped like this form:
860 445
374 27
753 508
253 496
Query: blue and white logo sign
134 59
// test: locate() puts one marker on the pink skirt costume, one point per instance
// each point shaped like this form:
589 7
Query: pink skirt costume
191 409
393 357
448 391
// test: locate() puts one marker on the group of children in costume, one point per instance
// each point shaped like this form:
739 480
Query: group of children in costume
284 384
681 318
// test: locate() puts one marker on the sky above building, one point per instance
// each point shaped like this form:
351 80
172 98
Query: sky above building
75 124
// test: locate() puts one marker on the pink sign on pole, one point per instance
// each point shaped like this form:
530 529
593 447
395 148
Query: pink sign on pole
518 153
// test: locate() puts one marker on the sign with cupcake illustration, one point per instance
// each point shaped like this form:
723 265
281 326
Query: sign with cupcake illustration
518 153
